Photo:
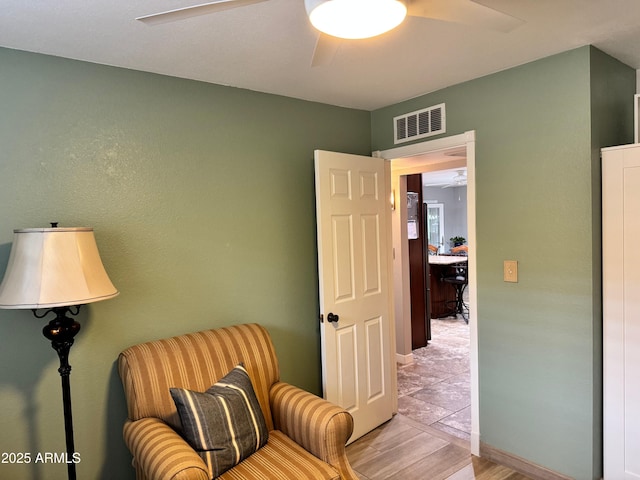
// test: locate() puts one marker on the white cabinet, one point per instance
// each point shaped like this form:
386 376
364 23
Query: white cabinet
621 303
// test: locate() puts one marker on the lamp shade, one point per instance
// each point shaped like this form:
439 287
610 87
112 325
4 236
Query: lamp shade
353 19
54 267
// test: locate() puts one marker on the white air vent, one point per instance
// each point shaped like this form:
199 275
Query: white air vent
419 124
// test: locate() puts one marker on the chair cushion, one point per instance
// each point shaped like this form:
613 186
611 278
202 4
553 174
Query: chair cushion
282 459
224 424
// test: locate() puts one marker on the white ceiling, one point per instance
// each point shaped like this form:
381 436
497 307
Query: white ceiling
268 46
444 178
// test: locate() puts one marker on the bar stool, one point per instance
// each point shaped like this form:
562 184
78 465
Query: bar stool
459 280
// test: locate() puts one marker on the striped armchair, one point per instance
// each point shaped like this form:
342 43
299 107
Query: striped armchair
307 435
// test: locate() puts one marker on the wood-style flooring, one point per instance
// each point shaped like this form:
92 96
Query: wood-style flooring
429 438
407 450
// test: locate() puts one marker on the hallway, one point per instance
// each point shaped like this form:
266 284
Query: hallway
434 390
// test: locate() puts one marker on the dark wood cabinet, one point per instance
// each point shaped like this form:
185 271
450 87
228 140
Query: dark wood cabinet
442 294
419 272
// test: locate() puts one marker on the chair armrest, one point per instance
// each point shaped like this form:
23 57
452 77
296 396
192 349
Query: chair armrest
160 453
320 427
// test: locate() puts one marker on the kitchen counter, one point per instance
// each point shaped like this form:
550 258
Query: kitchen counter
446 259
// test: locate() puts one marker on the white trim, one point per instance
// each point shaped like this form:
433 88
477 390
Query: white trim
620 337
636 121
402 164
404 359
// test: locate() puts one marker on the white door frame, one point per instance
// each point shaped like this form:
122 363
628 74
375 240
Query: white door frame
406 160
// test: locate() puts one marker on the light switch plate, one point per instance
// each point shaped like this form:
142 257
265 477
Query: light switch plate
511 271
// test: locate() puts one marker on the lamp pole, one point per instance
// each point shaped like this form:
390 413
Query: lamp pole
61 331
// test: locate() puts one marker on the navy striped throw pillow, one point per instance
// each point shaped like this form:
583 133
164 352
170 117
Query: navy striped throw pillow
224 424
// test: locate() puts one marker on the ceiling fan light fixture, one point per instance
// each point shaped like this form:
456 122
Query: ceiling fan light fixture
354 19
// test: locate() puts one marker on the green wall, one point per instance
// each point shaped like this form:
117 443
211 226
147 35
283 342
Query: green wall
539 128
202 200
610 92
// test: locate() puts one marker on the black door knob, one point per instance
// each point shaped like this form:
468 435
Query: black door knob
332 317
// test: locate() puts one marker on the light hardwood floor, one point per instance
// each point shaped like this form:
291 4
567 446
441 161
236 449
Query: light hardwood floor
429 438
404 449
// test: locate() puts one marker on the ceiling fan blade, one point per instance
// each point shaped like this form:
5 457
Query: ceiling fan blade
194 11
467 12
326 48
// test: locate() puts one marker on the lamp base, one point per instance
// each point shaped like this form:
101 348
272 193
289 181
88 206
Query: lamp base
61 331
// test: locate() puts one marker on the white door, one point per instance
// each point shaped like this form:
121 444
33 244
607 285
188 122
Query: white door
351 208
621 306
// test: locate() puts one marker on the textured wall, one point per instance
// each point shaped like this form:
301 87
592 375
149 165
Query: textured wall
202 200
539 128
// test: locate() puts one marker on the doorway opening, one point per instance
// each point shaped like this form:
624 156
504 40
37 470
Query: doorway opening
434 390
452 152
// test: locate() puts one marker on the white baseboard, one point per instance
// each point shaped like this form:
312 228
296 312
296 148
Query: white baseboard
475 444
404 359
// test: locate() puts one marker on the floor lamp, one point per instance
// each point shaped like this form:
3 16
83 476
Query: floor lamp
56 270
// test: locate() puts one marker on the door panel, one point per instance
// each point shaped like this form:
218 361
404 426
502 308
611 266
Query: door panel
375 359
631 318
342 257
371 254
354 286
347 370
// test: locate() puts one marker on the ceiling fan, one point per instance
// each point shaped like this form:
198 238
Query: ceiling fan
458 180
467 12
